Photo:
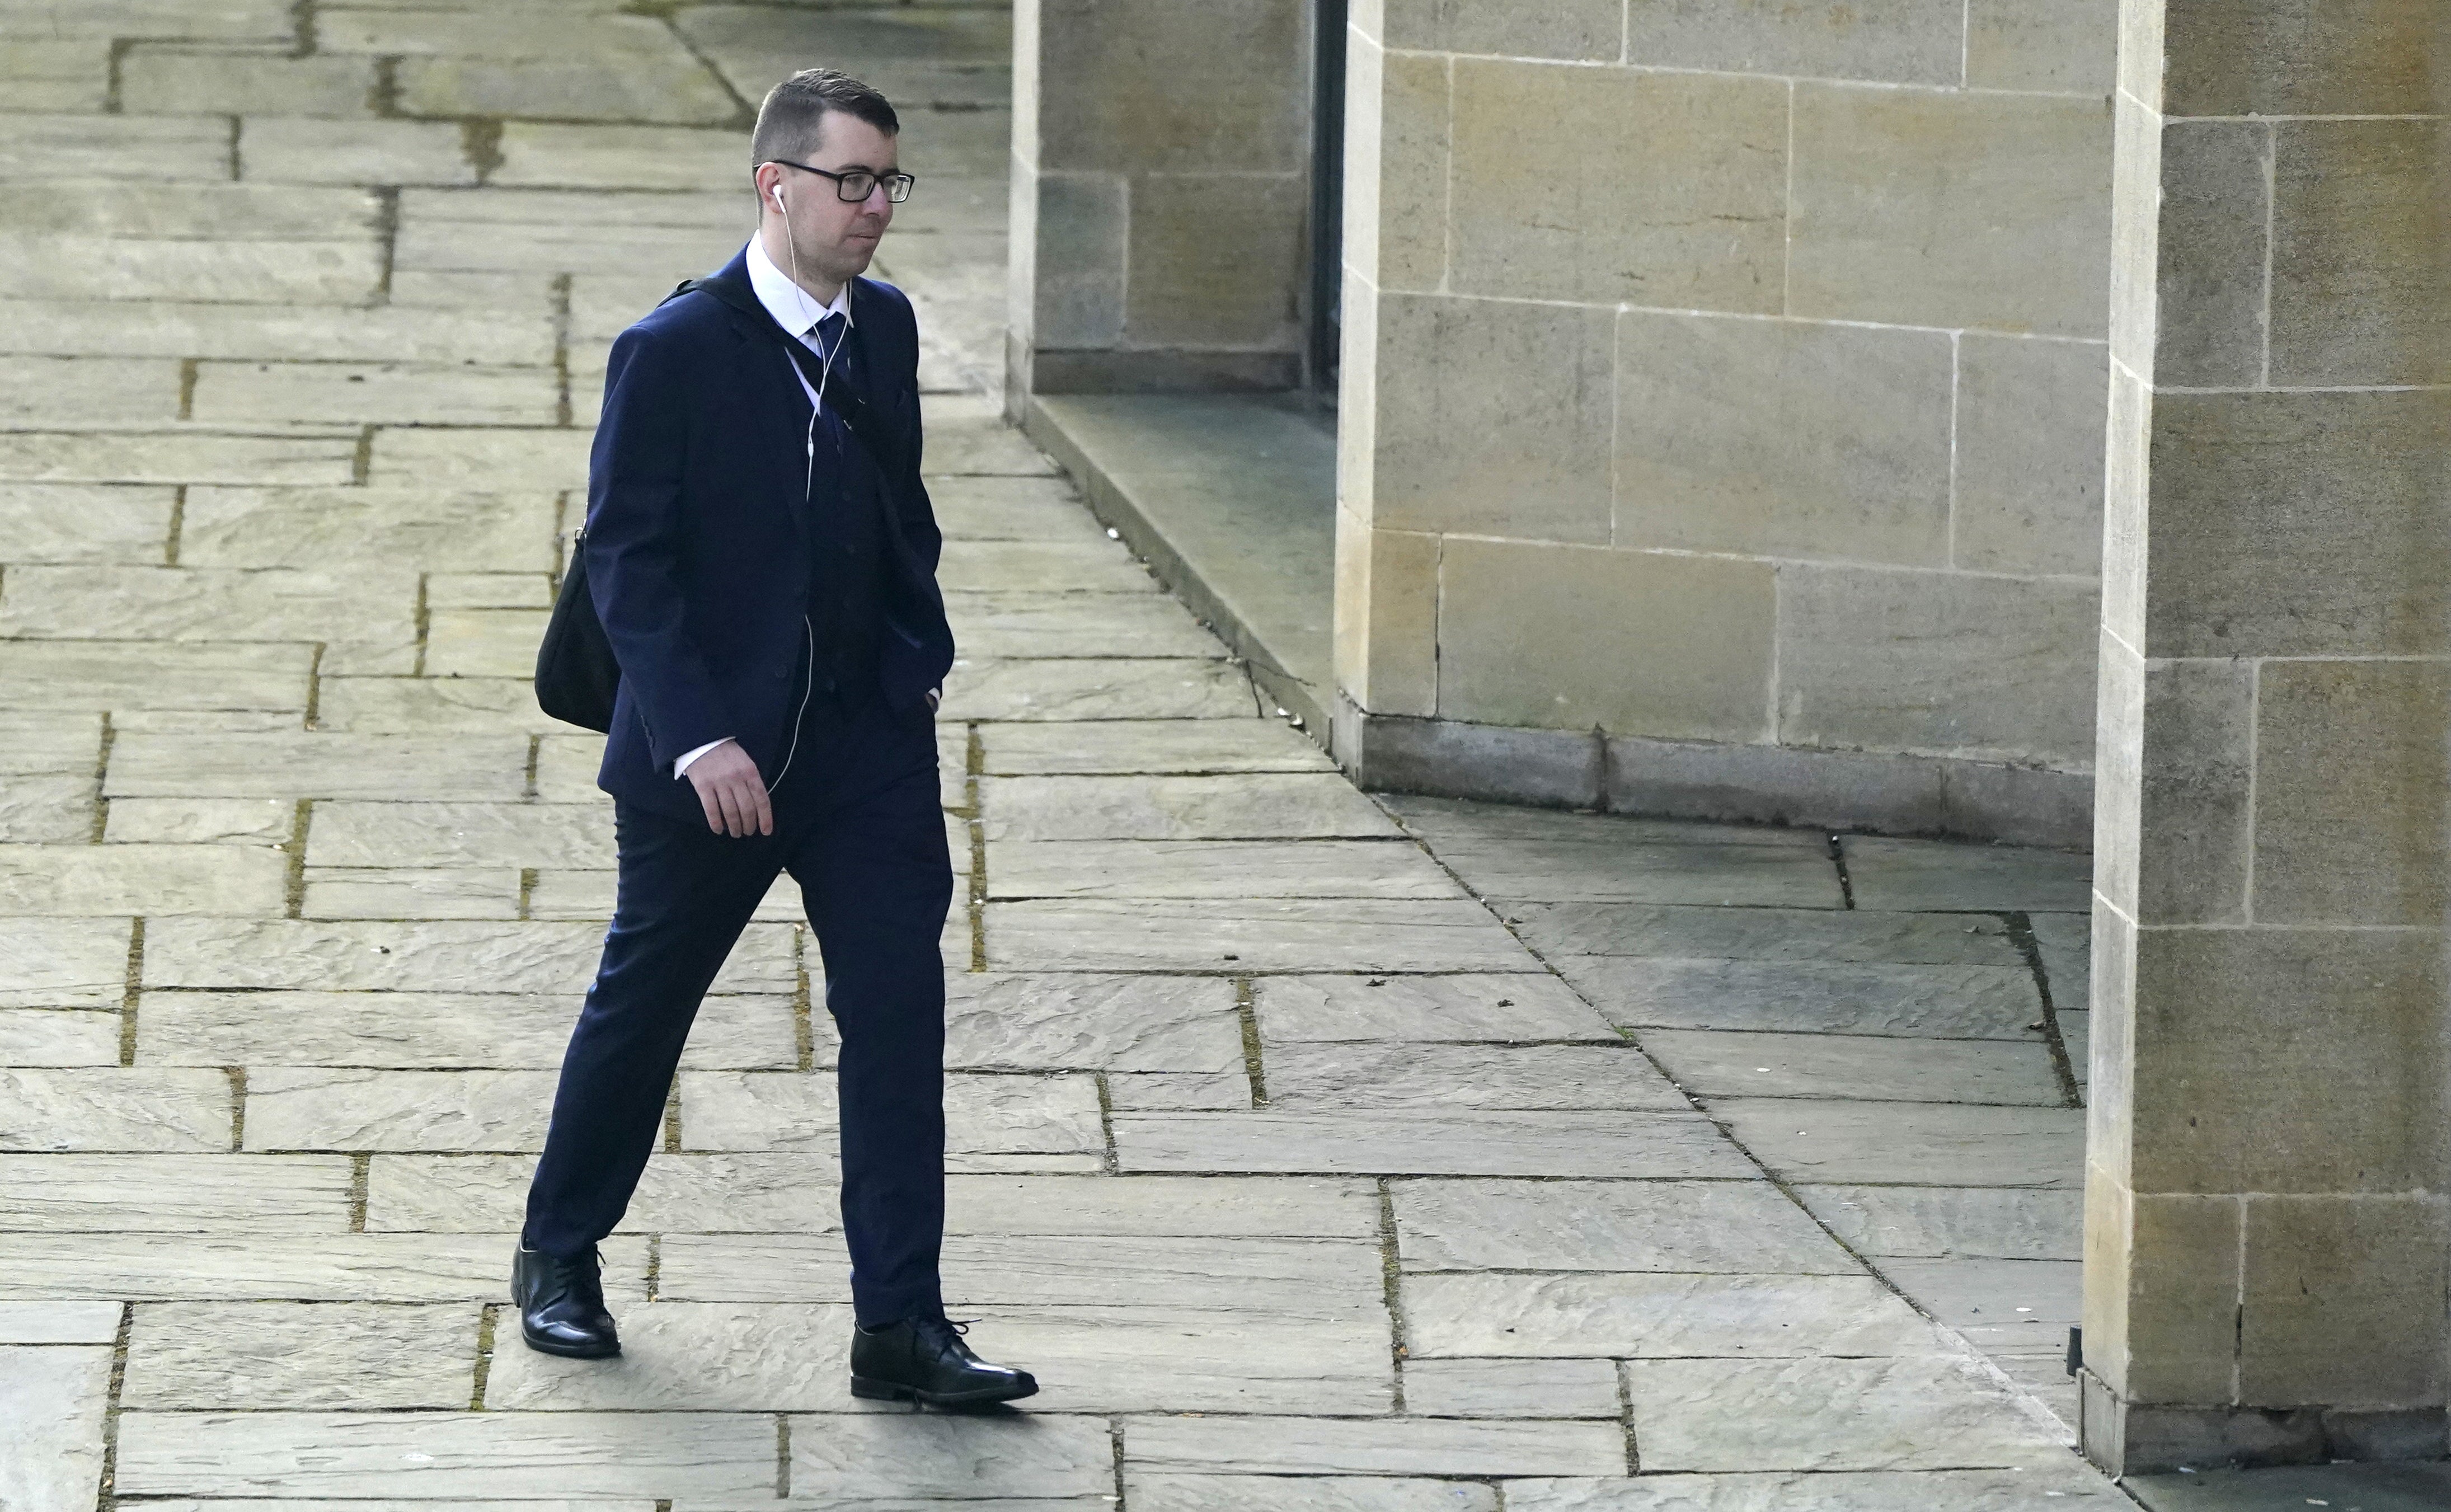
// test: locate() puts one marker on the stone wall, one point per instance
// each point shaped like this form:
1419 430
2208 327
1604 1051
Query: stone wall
1723 406
2266 1222
1160 196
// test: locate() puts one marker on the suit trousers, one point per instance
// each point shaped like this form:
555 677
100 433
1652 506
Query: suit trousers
858 826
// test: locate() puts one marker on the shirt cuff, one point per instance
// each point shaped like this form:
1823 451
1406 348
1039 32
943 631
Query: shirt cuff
681 764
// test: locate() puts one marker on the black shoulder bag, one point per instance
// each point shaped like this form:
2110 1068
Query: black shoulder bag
577 678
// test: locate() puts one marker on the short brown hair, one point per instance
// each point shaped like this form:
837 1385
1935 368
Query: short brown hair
795 109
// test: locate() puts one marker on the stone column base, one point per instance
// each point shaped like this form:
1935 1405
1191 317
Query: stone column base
1838 790
2131 1438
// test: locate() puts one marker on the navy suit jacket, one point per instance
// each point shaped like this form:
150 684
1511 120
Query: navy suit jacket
699 538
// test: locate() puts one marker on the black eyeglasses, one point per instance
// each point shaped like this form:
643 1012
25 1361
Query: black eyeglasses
855 186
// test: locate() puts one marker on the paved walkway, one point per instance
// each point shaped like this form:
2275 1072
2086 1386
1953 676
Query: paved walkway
1318 1151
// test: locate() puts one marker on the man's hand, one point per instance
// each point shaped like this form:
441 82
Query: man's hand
733 792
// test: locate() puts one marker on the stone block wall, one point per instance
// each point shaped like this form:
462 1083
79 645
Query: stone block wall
1161 194
1723 406
2268 1225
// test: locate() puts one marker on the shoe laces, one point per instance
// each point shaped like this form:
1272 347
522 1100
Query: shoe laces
943 1334
582 1277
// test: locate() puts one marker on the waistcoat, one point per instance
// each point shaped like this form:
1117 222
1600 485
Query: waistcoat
845 529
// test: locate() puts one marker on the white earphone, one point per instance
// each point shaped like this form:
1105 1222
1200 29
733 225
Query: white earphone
779 198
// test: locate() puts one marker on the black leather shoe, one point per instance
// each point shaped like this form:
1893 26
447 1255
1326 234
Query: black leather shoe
561 1305
924 1359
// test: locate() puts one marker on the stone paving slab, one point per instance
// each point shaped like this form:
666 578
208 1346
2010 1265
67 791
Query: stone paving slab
433 1031
860 1458
1219 869
437 531
485 1194
299 1355
1911 1143
52 1403
347 833
1944 1222
446 1454
273 150
85 1110
1888 874
477 460
177 1194
316 459
47 809
1011 507
2371 1487
1503 1009
1154 1491
1759 934
1999 1296
276 603
1951 1002
1149 1091
258 822
421 892
58 1036
1453 1077
1050 1114
179 329
35 389
1259 806
1655 1316
314 1107
96 523
1717 875
66 962
41 147
283 1268
223 20
1237 1281
1915 1413
1363 1447
1117 688
59 1322
1065 625
391 957
1408 1142
2010 1490
698 1357
1150 1359
1863 1067
432 705
1186 747
301 765
481 642
914 56
1045 1021
1511 1388
1250 935
776 1193
1736 1225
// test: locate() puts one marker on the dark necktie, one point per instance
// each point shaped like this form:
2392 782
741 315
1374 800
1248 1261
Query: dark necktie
829 339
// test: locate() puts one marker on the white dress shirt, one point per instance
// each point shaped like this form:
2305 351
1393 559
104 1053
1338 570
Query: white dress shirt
795 311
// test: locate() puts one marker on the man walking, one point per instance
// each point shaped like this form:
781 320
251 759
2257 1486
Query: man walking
762 555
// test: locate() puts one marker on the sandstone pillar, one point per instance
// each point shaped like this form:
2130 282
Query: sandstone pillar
1160 195
1721 418
2266 1233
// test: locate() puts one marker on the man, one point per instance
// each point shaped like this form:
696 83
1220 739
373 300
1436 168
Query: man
762 555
